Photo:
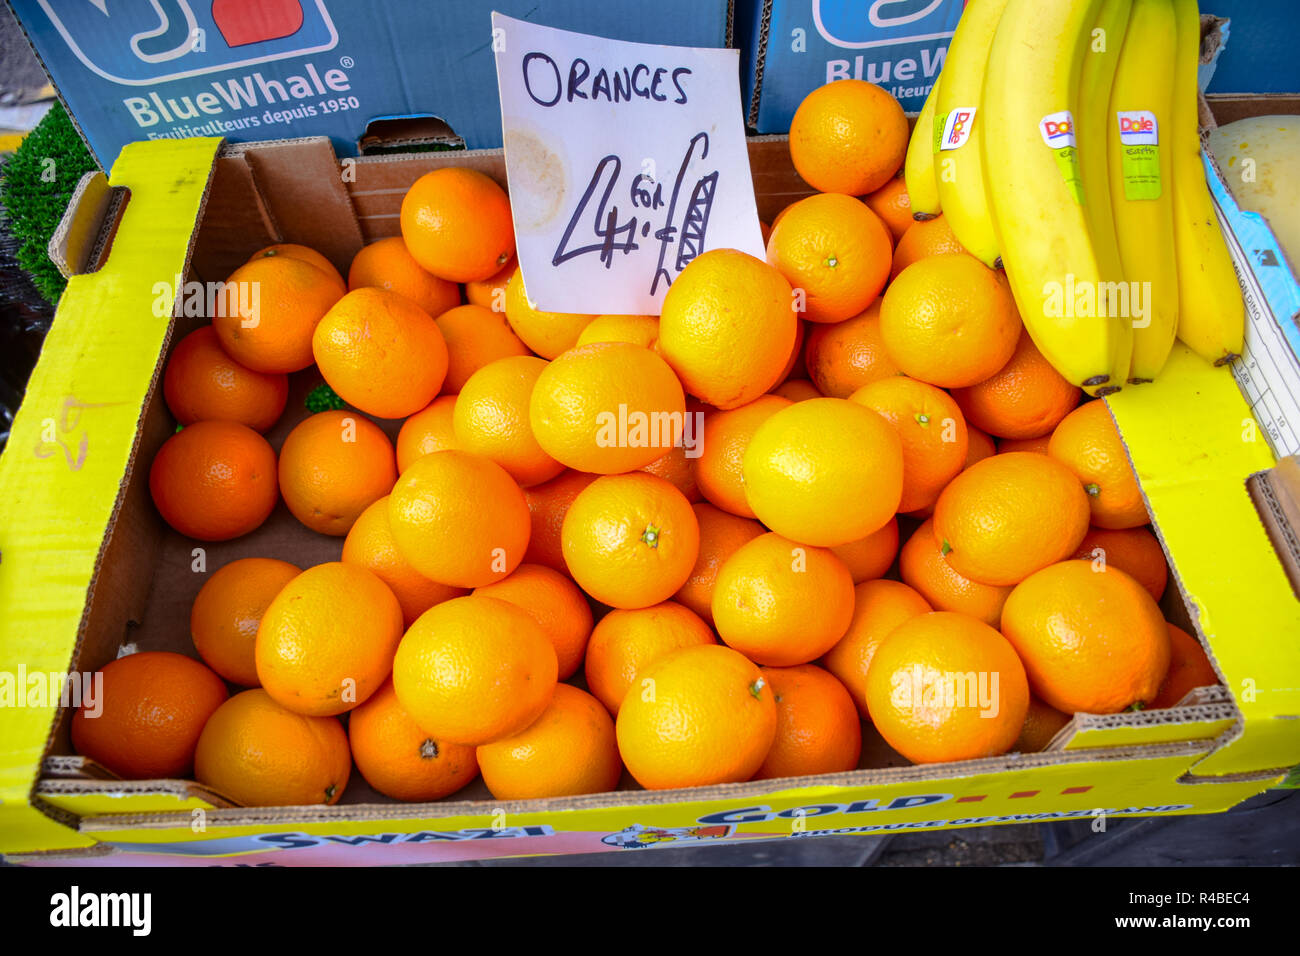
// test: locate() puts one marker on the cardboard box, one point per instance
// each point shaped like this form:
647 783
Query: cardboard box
87 564
382 72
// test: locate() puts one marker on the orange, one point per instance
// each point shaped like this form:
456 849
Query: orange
726 436
878 607
203 383
1134 551
475 337
1008 516
607 407
721 534
1042 723
796 390
399 759
625 641
1036 445
491 418
456 224
944 686
931 237
547 505
1189 667
893 205
949 320
428 430
459 518
569 750
817 726
386 264
847 355
490 293
931 428
269 309
640 330
473 670
228 609
556 604
872 556
1091 641
1088 443
1027 398
981 445
795 367
381 353
923 567
327 640
728 327
333 466
214 480
547 333
707 716
261 755
824 472
849 136
149 711
630 540
370 545
781 603
678 467
836 250
292 250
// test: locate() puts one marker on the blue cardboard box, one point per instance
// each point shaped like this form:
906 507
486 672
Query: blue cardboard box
269 69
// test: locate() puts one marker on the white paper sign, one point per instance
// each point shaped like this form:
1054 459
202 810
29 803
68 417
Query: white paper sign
625 162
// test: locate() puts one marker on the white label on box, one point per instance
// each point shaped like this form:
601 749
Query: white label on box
957 127
1138 127
625 162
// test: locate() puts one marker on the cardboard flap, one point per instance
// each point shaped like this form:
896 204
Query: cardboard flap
1277 496
81 241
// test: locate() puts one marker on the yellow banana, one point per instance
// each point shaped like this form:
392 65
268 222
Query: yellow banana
1141 177
1211 315
918 167
1031 172
958 162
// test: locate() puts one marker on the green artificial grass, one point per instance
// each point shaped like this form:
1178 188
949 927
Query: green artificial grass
35 193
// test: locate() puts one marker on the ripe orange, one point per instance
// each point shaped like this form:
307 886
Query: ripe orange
1088 443
795 367
630 540
491 418
428 430
626 641
456 224
386 264
547 333
726 437
849 136
333 466
781 603
473 670
1135 551
847 355
824 472
817 726
292 250
475 337
930 427
1027 398
923 567
981 445
399 759
327 640
642 330
1189 667
870 557
1042 723
459 518
707 716
556 604
893 205
569 750
1037 446
228 609
262 755
269 309
1091 641
547 505
370 545
1008 516
678 467
796 390
214 480
836 250
721 533
944 686
490 293
728 327
931 237
150 710
203 383
878 607
607 408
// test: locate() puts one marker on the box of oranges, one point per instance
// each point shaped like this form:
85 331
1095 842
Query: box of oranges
900 576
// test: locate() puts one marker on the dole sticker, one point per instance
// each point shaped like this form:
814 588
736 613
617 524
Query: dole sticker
1057 129
957 127
1138 128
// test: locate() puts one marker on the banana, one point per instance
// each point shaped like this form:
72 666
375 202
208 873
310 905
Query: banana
958 161
1141 178
1031 174
1211 315
918 167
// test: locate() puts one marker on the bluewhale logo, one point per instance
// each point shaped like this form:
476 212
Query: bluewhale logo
137 43
862 24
